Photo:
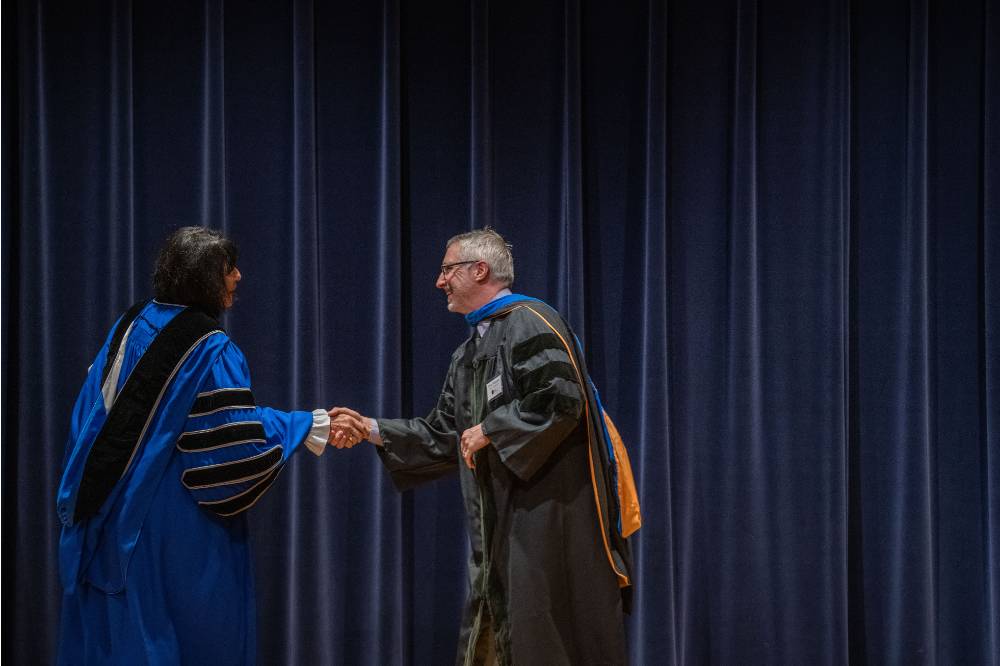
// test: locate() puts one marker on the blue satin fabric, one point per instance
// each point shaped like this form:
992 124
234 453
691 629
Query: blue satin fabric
496 305
153 577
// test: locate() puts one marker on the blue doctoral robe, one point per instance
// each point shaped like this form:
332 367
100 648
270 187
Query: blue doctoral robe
162 572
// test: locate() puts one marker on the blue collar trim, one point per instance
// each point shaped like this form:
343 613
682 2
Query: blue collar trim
495 306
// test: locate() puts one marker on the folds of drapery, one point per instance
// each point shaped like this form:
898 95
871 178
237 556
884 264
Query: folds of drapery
988 272
773 225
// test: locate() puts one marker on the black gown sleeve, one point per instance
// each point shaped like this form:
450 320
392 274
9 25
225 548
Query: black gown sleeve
548 401
423 449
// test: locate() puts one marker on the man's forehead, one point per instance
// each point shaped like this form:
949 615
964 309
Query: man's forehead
451 254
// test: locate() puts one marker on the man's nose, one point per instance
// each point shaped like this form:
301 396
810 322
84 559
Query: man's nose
440 282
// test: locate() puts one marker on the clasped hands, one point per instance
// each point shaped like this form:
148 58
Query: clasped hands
348 427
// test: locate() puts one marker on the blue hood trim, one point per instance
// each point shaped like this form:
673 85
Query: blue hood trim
495 306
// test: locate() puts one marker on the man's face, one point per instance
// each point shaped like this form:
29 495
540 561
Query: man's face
456 281
231 278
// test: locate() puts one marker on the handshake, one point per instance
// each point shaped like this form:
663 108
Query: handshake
347 427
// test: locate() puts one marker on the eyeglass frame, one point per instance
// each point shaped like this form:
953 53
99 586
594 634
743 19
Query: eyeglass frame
446 269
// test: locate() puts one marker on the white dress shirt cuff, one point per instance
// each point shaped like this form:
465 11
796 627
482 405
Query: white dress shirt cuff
319 434
374 436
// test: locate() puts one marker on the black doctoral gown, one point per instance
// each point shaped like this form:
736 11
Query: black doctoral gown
547 570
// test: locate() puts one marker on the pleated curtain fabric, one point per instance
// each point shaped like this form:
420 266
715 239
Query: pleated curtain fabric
775 225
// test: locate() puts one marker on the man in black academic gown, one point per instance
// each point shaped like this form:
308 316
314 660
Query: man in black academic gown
518 419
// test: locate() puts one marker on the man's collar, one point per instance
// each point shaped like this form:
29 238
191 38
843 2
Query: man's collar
500 294
484 324
496 306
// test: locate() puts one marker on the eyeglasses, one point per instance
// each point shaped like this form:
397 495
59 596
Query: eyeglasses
446 269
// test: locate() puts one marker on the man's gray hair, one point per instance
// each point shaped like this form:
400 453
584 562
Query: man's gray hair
489 246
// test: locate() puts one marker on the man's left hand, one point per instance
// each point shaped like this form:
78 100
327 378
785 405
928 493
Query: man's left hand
473 439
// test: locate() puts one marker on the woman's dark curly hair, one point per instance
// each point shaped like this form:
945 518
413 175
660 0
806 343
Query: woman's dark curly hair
191 269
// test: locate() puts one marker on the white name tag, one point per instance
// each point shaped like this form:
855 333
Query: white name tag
494 388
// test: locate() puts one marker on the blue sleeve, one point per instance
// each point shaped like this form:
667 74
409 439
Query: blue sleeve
231 449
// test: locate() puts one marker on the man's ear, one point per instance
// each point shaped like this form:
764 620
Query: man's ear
482 273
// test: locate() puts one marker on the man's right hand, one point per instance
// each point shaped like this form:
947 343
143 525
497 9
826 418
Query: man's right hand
347 427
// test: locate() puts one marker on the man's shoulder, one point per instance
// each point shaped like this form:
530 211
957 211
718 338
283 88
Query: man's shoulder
531 317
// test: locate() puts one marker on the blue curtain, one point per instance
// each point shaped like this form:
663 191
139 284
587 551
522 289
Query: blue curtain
775 225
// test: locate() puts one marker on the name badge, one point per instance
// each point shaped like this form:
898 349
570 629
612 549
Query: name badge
494 388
